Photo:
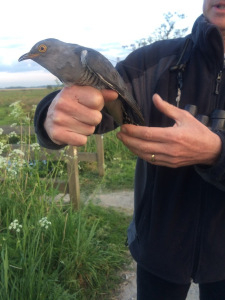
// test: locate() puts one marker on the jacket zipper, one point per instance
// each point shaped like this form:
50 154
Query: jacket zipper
218 81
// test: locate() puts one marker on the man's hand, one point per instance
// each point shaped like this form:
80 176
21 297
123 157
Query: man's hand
188 142
74 114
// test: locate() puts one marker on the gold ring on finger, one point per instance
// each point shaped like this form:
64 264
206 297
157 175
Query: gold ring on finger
153 158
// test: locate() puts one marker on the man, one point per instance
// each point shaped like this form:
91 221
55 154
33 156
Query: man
178 230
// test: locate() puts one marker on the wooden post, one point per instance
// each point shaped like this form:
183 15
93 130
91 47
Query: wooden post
100 154
73 177
72 160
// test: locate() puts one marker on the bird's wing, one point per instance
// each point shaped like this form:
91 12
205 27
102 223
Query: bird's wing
105 71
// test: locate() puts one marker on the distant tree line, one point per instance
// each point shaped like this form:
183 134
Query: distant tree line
167 30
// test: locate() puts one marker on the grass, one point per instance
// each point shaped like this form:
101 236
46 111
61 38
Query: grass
48 250
118 176
76 257
28 97
119 167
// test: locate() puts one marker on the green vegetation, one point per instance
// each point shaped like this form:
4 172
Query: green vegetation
48 250
119 167
55 253
27 98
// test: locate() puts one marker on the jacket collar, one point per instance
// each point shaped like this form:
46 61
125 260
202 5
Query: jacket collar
208 39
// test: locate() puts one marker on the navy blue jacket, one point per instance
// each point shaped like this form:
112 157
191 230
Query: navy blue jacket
178 229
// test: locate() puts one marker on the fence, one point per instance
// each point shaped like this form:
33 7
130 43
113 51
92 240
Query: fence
73 158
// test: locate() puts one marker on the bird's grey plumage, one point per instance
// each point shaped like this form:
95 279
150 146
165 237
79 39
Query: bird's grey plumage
77 65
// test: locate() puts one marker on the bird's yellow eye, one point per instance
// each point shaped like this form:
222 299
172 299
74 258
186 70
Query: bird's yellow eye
42 48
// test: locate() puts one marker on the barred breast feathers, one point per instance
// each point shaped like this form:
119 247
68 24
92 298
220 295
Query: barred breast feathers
89 78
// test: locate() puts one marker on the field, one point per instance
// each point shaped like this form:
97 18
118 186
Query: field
48 250
28 97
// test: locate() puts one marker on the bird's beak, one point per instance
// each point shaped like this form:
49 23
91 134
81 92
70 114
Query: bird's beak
28 56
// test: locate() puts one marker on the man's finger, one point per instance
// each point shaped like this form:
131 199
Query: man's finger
86 95
154 134
66 137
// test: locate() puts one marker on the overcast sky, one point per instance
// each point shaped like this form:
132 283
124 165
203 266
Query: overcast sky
100 24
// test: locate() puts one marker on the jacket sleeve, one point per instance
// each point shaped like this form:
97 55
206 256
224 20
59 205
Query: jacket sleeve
215 174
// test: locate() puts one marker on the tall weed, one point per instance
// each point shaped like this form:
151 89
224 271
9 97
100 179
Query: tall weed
48 250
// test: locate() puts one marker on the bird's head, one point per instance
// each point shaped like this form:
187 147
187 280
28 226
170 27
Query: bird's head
40 49
57 57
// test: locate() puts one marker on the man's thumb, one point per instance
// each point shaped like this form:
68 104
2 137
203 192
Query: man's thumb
109 95
166 108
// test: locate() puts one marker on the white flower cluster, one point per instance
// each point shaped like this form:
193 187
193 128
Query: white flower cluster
35 146
12 134
2 147
16 152
15 226
1 131
17 111
3 160
13 163
44 223
16 161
